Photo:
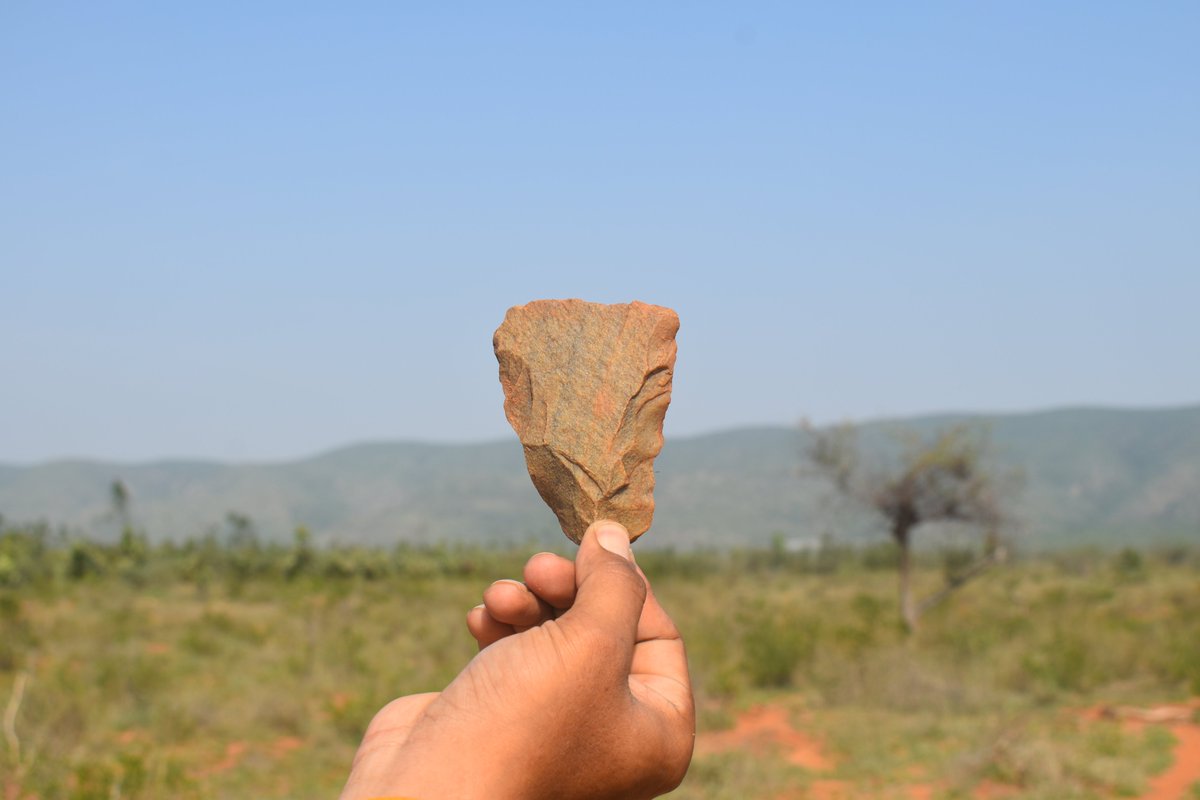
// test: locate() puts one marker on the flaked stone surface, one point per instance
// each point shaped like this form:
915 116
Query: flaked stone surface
586 388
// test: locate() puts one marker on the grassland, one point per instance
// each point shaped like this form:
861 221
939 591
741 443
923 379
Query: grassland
240 670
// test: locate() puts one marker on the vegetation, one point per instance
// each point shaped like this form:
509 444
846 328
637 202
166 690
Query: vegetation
1093 475
225 667
940 480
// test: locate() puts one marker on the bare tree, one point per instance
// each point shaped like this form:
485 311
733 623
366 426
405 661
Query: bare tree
942 479
118 495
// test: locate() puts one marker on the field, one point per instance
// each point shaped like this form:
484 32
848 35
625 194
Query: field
239 670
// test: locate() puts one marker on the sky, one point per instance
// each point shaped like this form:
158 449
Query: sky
255 231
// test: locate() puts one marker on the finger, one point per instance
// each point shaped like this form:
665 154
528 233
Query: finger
663 662
655 623
512 603
552 578
485 628
609 592
659 651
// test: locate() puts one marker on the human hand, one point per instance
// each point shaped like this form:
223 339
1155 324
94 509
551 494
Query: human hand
580 690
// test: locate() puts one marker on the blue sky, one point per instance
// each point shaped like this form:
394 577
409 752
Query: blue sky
254 230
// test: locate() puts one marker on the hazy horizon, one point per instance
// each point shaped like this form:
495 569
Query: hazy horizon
510 437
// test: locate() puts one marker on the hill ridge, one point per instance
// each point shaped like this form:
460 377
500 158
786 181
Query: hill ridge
1094 474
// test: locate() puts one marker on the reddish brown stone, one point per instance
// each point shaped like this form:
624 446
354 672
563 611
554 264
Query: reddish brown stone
586 387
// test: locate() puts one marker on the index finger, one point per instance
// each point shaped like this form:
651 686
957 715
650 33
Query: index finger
658 649
552 579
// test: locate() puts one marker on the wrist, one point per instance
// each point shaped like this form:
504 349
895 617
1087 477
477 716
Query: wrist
445 765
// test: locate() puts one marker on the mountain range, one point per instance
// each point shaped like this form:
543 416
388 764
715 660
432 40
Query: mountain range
1088 476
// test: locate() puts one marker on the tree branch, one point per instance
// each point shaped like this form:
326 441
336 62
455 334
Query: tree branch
981 566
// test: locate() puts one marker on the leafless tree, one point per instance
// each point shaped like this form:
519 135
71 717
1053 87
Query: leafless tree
118 495
940 479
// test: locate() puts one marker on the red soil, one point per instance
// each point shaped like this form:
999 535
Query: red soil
1175 783
766 728
234 751
987 790
284 745
829 789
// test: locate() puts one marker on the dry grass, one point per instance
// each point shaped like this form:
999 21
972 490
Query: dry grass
163 682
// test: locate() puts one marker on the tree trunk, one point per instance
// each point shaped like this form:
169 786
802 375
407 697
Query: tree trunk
908 607
995 556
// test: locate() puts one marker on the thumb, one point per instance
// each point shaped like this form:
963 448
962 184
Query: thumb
609 593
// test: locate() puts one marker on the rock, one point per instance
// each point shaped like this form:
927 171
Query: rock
586 388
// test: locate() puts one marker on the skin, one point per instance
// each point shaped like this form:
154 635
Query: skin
580 690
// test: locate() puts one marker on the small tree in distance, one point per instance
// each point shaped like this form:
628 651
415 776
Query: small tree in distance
942 479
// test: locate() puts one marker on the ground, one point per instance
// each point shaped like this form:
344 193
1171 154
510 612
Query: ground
205 674
767 732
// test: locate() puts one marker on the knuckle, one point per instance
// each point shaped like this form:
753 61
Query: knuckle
623 574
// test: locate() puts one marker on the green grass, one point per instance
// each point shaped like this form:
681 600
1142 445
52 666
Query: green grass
201 673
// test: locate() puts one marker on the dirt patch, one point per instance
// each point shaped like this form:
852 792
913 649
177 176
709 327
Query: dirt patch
765 728
1180 720
768 728
829 790
1179 777
284 745
1134 718
132 735
234 752
988 789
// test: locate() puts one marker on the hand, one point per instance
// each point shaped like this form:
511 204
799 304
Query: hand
580 690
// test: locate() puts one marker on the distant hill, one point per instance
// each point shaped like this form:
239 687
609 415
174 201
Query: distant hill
1090 476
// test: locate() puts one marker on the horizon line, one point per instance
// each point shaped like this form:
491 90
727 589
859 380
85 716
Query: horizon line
384 441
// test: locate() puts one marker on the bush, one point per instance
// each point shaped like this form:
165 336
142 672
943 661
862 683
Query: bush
775 643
